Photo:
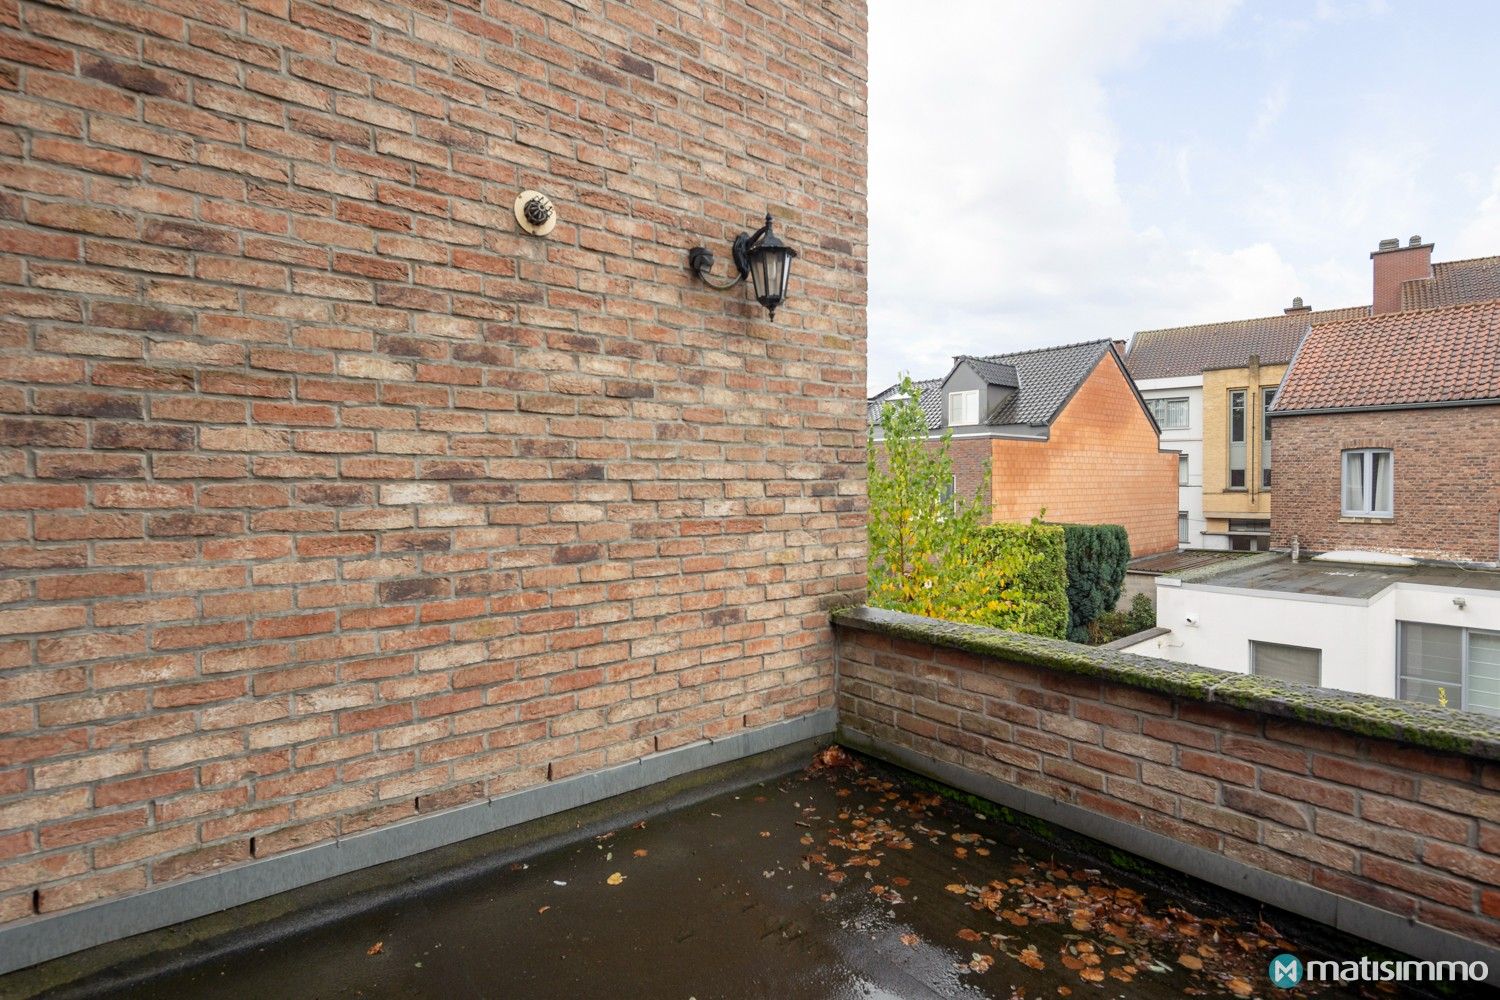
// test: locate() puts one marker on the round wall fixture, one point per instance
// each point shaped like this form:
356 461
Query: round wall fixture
535 213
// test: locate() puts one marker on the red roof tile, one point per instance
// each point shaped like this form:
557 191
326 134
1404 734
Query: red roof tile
1454 282
1193 350
1397 359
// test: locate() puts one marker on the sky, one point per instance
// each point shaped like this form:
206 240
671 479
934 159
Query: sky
1045 173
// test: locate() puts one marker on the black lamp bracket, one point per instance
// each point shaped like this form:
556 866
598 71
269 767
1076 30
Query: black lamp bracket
701 259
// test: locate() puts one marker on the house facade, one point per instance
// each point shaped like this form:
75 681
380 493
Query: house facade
346 511
1061 430
1386 514
1390 437
1209 386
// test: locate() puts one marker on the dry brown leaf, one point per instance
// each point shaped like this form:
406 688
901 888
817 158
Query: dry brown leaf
1029 958
956 889
910 940
544 909
1190 962
1092 975
615 879
970 935
376 948
981 963
1240 988
641 852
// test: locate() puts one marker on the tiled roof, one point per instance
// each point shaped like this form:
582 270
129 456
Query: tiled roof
1046 379
1453 283
1192 350
1397 359
931 404
993 372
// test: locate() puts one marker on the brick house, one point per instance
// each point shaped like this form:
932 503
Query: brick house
338 510
1388 438
1060 429
1209 385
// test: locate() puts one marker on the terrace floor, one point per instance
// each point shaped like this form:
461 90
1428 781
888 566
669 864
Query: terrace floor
844 880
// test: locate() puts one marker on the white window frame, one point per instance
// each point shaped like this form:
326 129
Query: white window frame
1256 643
1461 702
1162 407
1240 442
1184 472
966 401
1367 482
1184 527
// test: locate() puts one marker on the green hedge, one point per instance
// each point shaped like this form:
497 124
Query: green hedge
1034 598
1096 559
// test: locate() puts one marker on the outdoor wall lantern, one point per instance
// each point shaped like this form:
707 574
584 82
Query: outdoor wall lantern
762 256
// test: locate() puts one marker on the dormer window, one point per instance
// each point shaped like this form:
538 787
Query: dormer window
963 408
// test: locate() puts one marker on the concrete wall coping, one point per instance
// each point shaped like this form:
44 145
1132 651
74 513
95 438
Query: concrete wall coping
1426 726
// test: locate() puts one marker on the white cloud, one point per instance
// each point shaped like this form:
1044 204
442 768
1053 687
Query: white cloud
997 220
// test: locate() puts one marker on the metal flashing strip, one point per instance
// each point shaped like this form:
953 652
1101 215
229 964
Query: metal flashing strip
41 938
1422 941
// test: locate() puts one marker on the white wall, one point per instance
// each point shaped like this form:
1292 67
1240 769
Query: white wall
1190 441
1358 638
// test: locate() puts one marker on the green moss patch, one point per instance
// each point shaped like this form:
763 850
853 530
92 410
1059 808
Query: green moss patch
1412 723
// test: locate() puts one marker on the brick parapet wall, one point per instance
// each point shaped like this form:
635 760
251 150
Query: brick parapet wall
1401 827
327 497
1447 482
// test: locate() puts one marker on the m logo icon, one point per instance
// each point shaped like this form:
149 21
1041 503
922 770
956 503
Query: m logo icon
1286 971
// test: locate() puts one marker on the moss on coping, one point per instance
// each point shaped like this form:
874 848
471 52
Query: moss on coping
1426 726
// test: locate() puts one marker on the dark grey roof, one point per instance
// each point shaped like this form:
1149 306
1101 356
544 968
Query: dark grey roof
1192 350
1045 379
932 405
992 371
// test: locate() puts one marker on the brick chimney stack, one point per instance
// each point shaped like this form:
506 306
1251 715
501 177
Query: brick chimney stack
1297 307
1396 264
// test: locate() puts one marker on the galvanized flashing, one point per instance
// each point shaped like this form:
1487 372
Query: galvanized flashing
39 939
1420 940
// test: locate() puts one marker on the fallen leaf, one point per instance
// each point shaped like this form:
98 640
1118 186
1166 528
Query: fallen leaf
615 879
910 940
376 948
1240 988
1190 962
968 935
544 909
981 963
765 833
956 889
1029 958
641 852
1092 975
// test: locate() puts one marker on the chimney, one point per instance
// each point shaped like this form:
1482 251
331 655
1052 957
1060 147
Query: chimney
1394 266
1120 348
1297 307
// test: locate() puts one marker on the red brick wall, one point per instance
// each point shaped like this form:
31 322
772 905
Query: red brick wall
1102 465
1447 482
328 496
1393 268
1401 828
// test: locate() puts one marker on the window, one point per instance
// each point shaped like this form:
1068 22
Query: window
1170 414
1368 483
1445 664
1182 527
1182 469
963 408
1267 397
1237 439
1286 663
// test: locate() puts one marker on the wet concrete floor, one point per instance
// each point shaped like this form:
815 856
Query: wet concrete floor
842 881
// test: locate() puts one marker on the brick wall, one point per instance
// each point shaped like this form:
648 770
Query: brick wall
1102 464
1404 829
329 497
1447 482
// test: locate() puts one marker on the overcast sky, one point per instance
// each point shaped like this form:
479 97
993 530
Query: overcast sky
1048 172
